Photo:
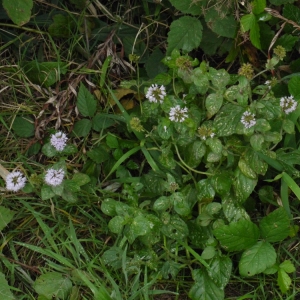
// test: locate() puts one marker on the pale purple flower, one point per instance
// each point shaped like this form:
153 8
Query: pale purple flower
178 114
288 104
156 94
54 177
59 140
248 119
15 181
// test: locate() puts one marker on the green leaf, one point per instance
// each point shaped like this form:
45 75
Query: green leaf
243 186
23 127
205 288
257 259
188 6
181 205
102 121
82 128
47 192
163 203
227 119
223 26
233 210
284 281
206 191
86 102
63 26
18 10
200 80
220 270
213 103
208 252
6 216
248 22
153 65
256 141
140 226
45 73
5 288
288 126
185 33
294 86
258 6
276 226
222 183
98 154
116 224
219 78
193 153
246 169
237 236
53 284
287 266
175 228
112 141
81 179
49 150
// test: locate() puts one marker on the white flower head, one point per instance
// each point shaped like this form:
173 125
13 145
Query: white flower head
248 119
156 94
178 114
54 177
288 104
15 181
268 84
59 140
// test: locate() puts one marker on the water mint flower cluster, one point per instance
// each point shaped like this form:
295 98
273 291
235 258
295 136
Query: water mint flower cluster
54 177
288 104
15 181
59 140
156 94
248 119
178 114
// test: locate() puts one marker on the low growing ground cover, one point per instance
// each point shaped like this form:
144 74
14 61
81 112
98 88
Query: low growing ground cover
149 150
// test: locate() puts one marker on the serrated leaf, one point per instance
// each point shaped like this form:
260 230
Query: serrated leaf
6 216
237 236
188 6
258 6
82 128
220 270
287 266
86 102
257 259
5 289
153 65
18 10
276 226
181 38
98 154
284 281
204 287
247 22
23 127
101 122
53 284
